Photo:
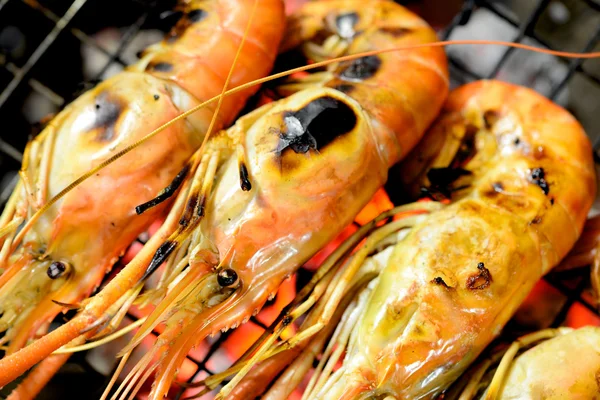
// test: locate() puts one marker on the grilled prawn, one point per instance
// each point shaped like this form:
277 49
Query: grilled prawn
68 243
518 189
564 363
268 193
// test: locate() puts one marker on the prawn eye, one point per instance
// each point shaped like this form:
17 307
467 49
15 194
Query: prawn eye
56 270
227 277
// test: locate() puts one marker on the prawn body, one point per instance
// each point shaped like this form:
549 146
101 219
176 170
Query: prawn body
519 193
287 178
556 369
63 254
544 364
80 237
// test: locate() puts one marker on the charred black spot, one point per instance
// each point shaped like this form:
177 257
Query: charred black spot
227 277
189 210
480 280
552 201
344 88
56 269
396 31
156 97
538 173
287 320
517 141
361 68
161 67
498 187
538 177
201 206
536 220
108 110
244 181
490 117
166 193
467 149
345 24
159 257
316 125
196 15
439 281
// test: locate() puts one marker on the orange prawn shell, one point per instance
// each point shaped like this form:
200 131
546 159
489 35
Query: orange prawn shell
416 78
569 158
92 225
79 220
456 279
182 57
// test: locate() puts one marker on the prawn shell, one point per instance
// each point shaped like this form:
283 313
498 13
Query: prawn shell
565 367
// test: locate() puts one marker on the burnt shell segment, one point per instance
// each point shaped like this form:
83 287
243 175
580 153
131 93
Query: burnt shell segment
316 125
107 110
360 69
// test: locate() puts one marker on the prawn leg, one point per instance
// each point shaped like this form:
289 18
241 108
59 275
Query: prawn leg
332 294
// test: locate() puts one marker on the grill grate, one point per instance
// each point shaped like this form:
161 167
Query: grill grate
43 67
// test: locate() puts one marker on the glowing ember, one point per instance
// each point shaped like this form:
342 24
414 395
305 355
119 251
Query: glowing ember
579 316
380 203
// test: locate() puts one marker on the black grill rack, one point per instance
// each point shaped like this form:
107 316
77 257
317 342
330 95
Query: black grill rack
41 59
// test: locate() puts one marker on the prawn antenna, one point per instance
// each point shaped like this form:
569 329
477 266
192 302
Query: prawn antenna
166 193
124 151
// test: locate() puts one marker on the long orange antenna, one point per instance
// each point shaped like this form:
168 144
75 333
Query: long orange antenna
78 181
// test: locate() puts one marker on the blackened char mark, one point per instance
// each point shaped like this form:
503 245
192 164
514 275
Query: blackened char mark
467 149
188 213
360 69
245 183
166 193
197 15
538 177
184 22
316 125
201 206
107 112
490 118
438 280
159 257
481 280
160 67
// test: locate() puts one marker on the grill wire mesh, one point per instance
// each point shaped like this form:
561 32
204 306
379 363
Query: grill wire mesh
44 44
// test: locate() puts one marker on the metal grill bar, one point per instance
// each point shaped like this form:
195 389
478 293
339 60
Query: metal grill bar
79 34
576 63
22 72
125 40
525 29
